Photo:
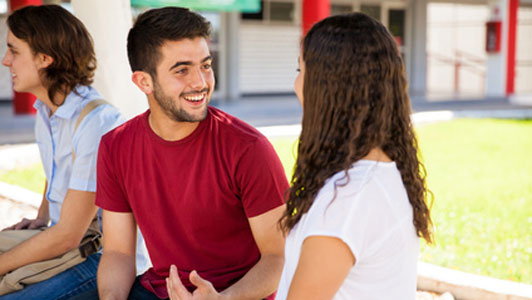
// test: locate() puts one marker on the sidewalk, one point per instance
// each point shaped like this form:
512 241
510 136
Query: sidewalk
261 111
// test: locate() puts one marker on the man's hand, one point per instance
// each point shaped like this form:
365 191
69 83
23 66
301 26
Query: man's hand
28 224
177 291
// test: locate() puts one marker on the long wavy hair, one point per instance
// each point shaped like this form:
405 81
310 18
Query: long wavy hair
54 31
355 100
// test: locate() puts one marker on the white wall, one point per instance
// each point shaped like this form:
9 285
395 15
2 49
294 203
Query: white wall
454 30
523 78
268 57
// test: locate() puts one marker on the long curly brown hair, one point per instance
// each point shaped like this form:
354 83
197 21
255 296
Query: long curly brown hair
355 100
53 30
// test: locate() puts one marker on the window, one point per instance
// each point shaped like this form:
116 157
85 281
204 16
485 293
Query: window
337 9
371 10
396 22
274 11
282 11
255 16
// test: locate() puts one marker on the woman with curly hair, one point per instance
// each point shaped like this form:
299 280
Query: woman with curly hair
357 204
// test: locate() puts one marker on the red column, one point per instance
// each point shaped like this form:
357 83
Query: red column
313 11
513 6
23 102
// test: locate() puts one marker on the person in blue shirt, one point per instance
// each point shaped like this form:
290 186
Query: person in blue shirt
51 55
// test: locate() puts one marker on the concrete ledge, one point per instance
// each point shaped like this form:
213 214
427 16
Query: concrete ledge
521 99
466 286
20 195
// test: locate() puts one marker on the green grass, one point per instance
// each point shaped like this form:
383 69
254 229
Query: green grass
480 172
31 178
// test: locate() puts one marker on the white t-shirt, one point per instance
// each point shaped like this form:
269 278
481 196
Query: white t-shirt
373 216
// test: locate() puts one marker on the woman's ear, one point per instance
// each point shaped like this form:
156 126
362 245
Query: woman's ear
144 81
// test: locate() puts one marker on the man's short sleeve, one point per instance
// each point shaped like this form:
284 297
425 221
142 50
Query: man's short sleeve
261 178
85 146
109 194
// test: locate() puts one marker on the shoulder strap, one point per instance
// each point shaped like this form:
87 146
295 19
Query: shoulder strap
84 112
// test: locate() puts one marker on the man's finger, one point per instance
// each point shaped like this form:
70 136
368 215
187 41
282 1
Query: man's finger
176 286
22 224
201 283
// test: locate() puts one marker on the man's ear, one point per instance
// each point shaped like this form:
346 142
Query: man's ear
44 60
144 81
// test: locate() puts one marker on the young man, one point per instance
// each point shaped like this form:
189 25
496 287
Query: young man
50 54
205 189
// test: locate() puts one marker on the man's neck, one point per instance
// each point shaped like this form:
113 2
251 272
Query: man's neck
168 129
42 94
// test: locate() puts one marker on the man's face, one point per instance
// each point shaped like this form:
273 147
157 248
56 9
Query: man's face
23 65
184 82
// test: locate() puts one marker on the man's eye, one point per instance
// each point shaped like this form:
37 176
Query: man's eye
181 71
207 66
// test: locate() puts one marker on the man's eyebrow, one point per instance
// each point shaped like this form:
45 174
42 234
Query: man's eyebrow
10 46
188 63
180 63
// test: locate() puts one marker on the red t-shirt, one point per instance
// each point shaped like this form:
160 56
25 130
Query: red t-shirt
192 198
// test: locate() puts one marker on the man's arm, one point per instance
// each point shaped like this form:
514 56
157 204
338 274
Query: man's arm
42 219
259 282
77 212
116 272
263 279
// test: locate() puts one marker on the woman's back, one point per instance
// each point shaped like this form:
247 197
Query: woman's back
371 214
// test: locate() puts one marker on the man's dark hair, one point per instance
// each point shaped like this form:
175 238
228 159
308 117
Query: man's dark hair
54 31
156 26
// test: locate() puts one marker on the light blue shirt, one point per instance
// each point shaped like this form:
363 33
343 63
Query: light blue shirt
56 140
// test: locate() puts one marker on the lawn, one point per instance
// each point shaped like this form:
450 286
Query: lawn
31 178
480 172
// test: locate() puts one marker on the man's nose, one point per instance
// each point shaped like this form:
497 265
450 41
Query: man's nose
197 80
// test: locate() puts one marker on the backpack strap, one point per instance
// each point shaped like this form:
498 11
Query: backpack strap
92 240
84 112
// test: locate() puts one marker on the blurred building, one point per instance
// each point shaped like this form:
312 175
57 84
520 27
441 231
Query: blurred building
444 45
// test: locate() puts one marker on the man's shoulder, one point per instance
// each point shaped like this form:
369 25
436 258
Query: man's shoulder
124 131
234 128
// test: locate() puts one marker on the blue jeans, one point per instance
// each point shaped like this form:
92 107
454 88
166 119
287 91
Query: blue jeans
64 285
137 292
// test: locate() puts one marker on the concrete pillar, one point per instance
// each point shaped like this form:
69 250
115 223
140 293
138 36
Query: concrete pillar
231 53
495 63
109 23
500 67
513 7
416 16
313 11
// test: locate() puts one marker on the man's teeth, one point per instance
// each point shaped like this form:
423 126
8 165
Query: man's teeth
194 98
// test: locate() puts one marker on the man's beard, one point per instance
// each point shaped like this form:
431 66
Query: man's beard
171 109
